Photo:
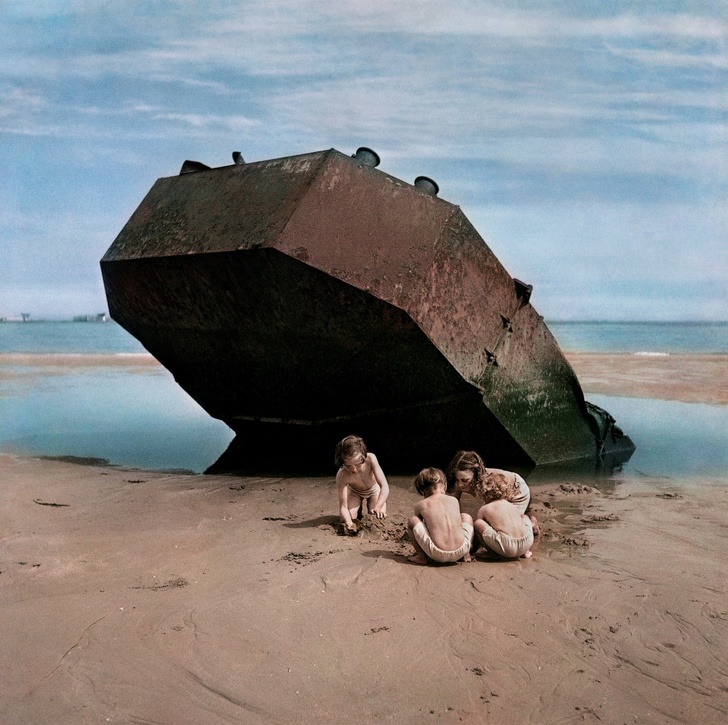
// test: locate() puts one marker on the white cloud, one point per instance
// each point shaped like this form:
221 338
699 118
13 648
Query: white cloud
498 101
209 121
458 17
20 100
671 59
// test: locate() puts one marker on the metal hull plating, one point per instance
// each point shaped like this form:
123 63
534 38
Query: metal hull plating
306 298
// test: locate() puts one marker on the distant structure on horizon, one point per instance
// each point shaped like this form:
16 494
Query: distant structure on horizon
24 317
98 317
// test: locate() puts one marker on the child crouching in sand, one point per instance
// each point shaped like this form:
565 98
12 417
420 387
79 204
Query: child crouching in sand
467 474
438 530
360 481
501 527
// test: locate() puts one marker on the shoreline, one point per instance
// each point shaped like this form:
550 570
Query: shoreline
138 596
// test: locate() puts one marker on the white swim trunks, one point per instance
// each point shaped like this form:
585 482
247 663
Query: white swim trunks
422 536
504 545
373 492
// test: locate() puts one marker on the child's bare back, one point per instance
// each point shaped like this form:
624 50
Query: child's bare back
441 515
438 530
503 516
504 530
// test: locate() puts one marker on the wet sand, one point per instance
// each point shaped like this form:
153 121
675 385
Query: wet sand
688 378
691 378
134 596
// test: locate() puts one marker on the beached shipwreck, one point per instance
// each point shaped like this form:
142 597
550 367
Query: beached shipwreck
305 298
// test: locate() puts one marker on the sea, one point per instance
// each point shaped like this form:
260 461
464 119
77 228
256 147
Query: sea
136 416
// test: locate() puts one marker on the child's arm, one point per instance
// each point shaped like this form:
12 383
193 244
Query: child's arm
343 490
418 510
379 508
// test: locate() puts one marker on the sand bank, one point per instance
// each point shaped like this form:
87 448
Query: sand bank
688 378
698 378
129 596
78 360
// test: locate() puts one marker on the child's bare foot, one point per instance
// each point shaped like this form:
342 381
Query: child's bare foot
418 559
528 554
467 558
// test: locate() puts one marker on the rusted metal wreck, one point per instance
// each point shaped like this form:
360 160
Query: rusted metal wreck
302 299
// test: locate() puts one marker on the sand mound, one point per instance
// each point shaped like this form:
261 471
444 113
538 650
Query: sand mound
393 528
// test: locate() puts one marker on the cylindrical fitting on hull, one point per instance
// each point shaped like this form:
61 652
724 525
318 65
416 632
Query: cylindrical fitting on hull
426 184
366 156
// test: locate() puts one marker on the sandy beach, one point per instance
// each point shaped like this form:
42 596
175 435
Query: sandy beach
130 596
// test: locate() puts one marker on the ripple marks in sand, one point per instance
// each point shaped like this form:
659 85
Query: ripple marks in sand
231 699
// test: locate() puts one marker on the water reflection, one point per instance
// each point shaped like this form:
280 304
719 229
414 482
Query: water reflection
672 438
138 416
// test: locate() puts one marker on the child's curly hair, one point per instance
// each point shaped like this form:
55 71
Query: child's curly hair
348 448
495 486
429 478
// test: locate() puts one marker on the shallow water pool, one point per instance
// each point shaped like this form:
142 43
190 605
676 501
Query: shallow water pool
137 416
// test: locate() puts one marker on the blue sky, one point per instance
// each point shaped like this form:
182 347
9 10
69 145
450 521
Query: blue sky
586 141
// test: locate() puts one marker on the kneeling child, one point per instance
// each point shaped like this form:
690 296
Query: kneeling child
501 527
438 531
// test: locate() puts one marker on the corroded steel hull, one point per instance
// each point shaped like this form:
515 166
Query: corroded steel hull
306 298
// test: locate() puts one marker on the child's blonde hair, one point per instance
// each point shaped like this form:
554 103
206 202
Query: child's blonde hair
496 486
348 448
429 478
